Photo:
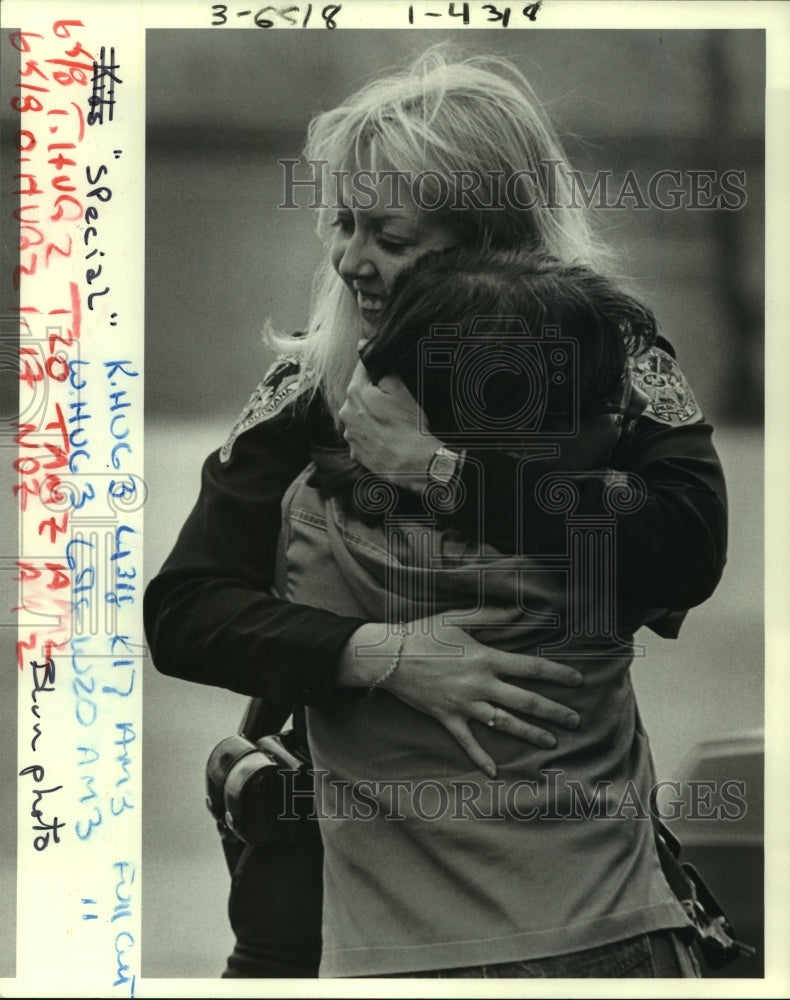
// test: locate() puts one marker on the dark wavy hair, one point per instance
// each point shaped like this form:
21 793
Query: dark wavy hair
483 296
486 295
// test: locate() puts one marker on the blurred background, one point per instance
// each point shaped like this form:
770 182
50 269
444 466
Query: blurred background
221 259
223 108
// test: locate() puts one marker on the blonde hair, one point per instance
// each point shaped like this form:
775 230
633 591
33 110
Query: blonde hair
476 115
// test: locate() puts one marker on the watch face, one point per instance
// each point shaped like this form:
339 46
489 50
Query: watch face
442 466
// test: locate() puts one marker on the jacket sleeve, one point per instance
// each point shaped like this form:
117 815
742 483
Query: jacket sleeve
208 614
671 551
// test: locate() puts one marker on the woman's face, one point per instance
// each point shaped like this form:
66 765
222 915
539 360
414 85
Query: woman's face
370 246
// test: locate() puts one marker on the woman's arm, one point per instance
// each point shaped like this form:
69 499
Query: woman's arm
208 614
477 686
669 554
671 551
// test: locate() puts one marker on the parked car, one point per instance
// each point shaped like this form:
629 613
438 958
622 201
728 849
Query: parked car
720 828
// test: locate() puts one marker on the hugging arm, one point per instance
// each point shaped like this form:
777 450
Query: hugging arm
210 617
670 553
208 613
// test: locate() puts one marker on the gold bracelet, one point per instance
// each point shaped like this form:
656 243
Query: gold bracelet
395 660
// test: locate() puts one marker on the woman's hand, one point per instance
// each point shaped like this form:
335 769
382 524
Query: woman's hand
382 428
457 689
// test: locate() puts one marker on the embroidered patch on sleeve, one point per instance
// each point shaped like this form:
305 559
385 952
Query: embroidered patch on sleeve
670 399
278 386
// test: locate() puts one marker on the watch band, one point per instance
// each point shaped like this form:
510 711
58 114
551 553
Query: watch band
444 465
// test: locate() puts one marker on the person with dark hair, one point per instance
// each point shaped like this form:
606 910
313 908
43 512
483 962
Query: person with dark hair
483 376
244 604
552 346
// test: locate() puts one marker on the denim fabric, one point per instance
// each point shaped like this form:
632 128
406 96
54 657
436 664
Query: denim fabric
659 955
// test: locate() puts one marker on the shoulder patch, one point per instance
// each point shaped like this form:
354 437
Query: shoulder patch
279 385
670 399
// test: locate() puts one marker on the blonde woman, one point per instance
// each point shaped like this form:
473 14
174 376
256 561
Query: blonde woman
448 153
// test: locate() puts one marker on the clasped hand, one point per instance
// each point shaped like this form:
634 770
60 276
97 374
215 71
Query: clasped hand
385 429
456 690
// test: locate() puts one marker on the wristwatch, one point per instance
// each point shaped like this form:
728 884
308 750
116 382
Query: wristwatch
444 465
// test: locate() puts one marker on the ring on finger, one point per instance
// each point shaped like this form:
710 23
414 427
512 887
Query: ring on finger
494 721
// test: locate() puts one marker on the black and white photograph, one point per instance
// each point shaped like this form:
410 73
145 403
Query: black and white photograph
372 188
452 615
